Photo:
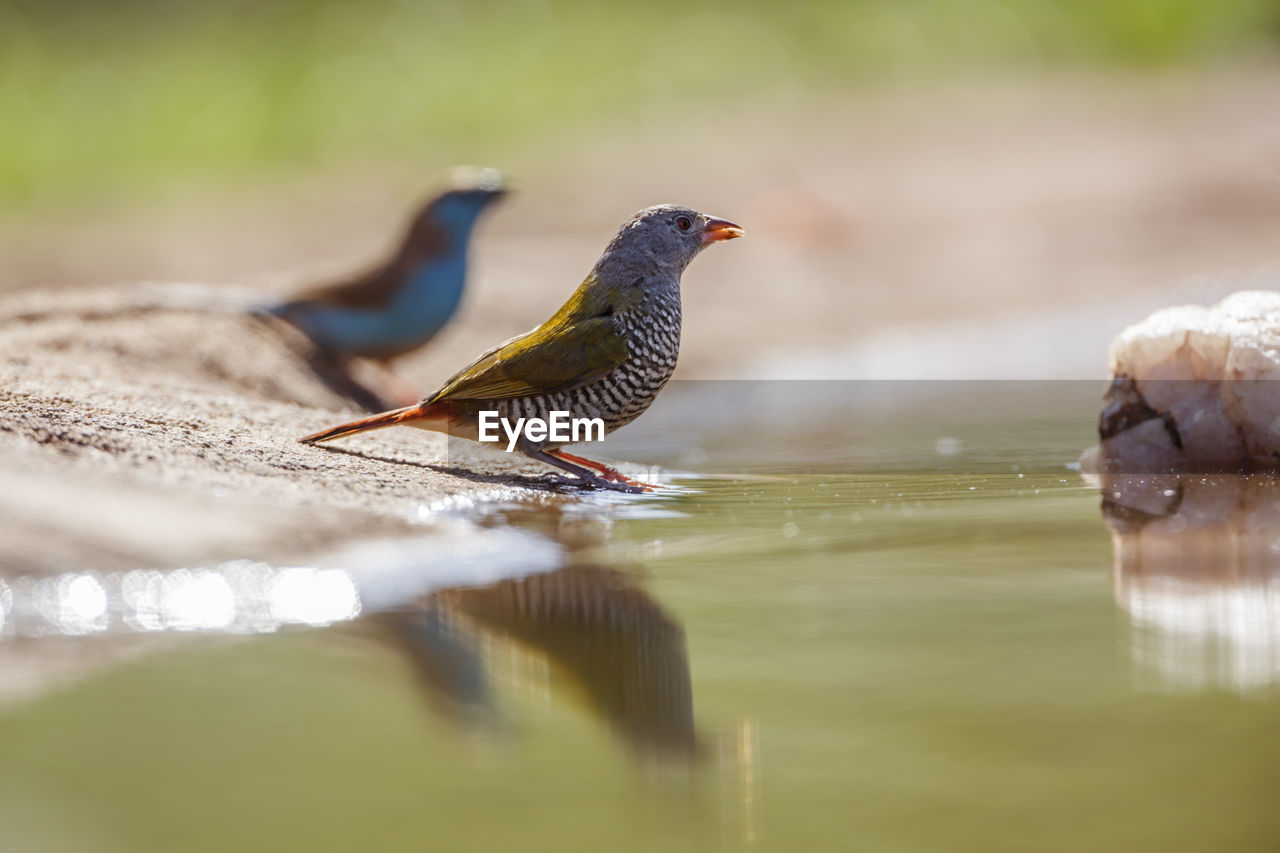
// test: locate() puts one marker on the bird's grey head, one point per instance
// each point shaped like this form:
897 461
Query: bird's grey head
663 239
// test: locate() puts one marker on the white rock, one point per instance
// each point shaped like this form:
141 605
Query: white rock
1215 371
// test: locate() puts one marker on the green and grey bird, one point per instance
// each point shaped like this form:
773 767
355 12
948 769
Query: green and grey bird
605 354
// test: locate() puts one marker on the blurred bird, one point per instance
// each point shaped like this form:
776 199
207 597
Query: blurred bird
605 354
401 304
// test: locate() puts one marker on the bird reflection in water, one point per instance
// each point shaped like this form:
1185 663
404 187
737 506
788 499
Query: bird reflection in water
1197 568
594 628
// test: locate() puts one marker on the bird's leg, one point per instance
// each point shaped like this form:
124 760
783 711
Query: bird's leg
612 474
578 471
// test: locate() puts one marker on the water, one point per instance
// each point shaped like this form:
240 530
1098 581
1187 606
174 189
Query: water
937 636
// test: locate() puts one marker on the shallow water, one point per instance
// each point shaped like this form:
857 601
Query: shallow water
919 630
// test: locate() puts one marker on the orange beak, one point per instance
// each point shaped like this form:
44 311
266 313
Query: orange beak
720 229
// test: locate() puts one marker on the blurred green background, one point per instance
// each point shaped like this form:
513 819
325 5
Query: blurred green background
112 98
995 693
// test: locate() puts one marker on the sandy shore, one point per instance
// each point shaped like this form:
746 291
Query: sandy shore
152 438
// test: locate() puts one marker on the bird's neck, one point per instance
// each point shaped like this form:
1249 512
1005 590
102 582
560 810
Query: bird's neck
429 266
441 276
636 267
638 298
456 223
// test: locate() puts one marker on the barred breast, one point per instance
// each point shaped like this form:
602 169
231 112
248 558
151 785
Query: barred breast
653 343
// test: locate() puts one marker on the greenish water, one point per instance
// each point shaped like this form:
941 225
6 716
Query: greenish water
932 657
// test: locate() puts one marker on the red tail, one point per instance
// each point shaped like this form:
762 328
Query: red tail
386 419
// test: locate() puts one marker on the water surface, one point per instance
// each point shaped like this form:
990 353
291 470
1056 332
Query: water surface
917 629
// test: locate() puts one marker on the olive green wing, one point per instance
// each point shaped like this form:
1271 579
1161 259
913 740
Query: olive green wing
554 357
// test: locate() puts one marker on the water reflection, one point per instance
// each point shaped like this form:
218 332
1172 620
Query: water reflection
534 609
236 597
1197 568
589 627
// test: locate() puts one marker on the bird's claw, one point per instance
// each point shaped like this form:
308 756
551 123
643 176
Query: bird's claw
625 486
628 487
613 475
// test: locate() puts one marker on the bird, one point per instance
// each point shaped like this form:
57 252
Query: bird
606 353
401 304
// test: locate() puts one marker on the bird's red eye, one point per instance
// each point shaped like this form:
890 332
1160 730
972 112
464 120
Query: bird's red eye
684 223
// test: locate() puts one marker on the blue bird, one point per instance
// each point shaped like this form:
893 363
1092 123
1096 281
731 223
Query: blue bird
401 304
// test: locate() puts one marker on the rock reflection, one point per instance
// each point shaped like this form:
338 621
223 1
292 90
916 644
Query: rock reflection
1197 568
592 626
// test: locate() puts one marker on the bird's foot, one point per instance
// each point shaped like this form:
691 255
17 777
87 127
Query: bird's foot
615 478
609 478
625 486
